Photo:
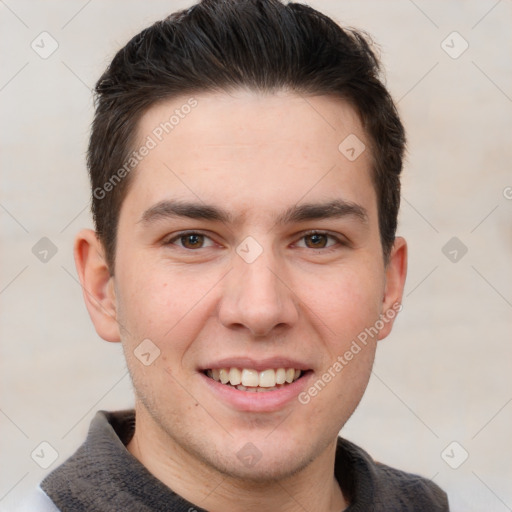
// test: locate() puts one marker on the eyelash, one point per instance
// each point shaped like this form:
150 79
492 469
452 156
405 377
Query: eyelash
339 240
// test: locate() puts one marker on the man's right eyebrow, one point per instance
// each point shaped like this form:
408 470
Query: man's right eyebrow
171 209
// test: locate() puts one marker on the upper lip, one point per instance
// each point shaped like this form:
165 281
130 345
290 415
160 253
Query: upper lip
257 364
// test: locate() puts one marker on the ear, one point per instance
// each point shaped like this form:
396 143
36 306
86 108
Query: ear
396 271
97 284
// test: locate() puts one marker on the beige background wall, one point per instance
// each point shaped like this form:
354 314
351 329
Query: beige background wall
445 373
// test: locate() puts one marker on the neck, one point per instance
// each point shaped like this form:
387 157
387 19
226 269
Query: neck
312 488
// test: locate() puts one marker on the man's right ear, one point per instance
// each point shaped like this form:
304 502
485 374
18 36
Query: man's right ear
97 284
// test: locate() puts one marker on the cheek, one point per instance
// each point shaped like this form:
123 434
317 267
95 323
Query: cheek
347 301
161 305
146 302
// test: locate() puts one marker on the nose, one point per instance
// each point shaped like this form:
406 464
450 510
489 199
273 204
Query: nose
257 297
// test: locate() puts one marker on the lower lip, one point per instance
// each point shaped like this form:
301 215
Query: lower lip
250 401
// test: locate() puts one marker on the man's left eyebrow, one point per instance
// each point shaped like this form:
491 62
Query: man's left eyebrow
318 211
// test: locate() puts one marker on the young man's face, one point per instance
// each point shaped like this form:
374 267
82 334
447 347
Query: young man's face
217 265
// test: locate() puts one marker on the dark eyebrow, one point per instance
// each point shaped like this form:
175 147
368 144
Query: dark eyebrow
165 209
315 211
295 214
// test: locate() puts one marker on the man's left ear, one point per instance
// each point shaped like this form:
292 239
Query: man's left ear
396 271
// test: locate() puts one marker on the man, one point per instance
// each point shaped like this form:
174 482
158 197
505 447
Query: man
244 162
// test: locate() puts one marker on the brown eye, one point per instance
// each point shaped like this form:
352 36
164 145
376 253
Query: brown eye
192 241
316 241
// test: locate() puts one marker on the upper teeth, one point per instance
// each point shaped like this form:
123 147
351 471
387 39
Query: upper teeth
253 378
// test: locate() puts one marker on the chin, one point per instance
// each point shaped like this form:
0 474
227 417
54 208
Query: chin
266 470
260 459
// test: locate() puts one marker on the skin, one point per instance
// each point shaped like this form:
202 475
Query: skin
255 155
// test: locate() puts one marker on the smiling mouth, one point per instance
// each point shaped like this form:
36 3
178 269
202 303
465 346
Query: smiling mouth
247 379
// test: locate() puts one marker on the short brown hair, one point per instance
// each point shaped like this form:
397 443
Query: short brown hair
221 45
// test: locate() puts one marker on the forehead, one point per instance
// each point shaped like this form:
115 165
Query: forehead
249 147
249 118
